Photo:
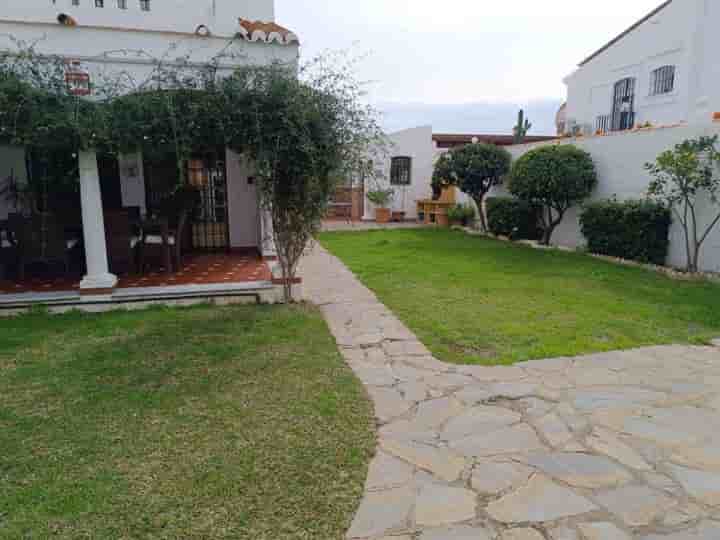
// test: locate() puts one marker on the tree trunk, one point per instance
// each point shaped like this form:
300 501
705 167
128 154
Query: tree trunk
550 226
481 211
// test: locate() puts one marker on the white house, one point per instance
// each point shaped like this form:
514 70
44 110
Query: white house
662 70
105 37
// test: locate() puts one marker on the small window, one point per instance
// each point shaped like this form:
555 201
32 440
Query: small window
75 2
99 3
400 169
145 5
662 80
122 4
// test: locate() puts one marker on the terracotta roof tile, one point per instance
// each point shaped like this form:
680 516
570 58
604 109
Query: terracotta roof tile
267 32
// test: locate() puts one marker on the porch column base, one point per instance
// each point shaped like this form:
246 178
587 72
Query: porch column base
98 285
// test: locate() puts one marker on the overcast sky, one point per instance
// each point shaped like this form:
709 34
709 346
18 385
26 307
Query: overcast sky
461 52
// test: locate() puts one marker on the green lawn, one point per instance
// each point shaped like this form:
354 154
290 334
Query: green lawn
237 422
479 301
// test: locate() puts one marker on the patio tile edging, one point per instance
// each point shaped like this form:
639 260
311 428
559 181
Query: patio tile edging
483 452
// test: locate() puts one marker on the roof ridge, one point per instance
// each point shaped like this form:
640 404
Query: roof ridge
626 32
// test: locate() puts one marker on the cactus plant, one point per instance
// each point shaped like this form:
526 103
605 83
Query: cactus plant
521 129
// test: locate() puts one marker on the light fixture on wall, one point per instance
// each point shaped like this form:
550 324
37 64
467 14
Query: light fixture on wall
132 171
66 20
203 31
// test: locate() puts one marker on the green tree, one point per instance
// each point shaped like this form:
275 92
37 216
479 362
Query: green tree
555 178
475 169
682 178
302 127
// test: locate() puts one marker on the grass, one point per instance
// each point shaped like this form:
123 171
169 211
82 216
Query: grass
474 300
237 422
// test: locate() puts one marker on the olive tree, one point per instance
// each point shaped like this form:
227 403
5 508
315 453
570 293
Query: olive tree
475 169
683 178
555 178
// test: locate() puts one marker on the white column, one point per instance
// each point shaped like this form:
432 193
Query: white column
98 276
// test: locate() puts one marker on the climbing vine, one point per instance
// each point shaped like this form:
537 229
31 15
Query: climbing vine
301 127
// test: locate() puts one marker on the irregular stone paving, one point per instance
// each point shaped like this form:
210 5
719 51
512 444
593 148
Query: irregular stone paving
612 446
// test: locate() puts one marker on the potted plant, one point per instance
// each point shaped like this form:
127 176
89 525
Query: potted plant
381 198
461 214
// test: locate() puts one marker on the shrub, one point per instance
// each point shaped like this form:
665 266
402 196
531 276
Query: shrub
461 213
555 178
635 230
513 218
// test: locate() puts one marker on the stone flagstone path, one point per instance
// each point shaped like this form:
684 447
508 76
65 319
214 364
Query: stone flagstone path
612 446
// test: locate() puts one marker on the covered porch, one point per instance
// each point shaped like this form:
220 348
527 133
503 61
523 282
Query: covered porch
113 242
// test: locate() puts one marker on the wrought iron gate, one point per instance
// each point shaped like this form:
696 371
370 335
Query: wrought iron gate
210 222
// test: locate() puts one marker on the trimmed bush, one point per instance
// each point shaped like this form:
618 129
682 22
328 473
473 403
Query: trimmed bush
555 177
513 218
636 229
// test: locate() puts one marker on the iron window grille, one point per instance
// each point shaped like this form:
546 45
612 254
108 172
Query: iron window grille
623 114
75 2
662 80
122 4
99 3
145 5
400 171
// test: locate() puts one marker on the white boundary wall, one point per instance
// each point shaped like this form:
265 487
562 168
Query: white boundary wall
620 159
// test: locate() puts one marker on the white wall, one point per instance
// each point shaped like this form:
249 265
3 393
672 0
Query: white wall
683 34
132 181
619 159
12 161
242 202
417 144
221 16
107 53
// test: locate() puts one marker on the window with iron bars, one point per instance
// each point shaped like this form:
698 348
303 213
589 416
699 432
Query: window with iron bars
400 168
662 80
122 4
145 5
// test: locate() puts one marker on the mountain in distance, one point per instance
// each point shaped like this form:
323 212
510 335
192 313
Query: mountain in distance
493 118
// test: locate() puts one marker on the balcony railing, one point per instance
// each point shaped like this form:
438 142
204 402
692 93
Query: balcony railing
620 122
603 123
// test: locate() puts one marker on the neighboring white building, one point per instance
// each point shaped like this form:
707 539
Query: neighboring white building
663 70
410 160
107 37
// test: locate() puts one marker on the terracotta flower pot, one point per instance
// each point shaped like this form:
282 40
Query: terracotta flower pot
716 117
382 215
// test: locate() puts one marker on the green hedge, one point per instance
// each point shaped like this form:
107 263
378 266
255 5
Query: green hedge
513 218
635 230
